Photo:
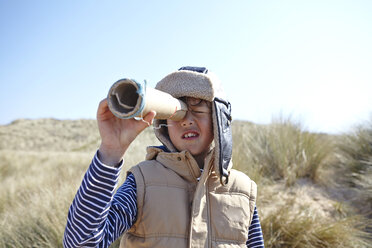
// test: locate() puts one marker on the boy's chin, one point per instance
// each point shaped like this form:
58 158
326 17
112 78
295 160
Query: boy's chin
195 153
198 154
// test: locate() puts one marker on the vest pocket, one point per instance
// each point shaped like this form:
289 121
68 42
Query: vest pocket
230 215
166 211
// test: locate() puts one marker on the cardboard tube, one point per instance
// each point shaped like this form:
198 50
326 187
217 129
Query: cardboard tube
128 99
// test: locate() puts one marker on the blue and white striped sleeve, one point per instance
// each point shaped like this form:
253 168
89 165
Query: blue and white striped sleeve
96 217
255 237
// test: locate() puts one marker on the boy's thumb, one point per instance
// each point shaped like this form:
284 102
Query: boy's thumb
150 117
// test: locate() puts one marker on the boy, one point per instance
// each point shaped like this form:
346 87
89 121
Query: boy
184 194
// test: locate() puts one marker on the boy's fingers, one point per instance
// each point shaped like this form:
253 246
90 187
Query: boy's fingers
150 117
103 105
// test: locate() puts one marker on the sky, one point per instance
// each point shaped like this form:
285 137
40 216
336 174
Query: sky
307 60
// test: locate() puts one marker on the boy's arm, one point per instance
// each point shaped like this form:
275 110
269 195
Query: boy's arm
255 238
93 214
97 218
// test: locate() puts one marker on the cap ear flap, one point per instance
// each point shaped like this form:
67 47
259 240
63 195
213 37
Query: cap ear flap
223 137
161 132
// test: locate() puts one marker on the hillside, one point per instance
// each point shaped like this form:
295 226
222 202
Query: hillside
51 135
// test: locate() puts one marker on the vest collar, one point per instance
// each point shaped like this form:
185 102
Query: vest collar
182 163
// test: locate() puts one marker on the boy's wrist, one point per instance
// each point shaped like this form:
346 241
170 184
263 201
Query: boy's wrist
109 157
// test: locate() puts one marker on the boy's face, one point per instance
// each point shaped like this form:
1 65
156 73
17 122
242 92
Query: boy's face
193 133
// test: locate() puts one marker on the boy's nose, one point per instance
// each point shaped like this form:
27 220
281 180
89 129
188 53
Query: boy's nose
188 120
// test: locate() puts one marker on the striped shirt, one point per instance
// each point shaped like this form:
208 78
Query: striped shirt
98 215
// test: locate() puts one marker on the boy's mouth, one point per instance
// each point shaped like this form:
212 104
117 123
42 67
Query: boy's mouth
190 135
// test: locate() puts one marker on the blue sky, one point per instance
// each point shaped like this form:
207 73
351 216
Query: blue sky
308 59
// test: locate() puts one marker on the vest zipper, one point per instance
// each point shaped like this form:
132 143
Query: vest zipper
209 230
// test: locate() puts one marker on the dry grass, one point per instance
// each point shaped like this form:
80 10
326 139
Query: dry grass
35 194
42 163
39 178
355 160
305 216
300 226
301 204
280 151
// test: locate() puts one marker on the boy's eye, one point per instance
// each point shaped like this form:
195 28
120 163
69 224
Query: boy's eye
199 111
193 101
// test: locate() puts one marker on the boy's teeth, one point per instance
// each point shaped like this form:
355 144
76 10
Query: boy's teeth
189 135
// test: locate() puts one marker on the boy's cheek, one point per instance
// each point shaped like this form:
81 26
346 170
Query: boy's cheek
171 123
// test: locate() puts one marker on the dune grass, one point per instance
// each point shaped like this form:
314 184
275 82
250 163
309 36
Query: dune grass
38 183
35 195
355 156
300 227
284 153
282 150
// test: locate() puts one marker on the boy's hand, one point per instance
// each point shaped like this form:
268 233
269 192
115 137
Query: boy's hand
117 134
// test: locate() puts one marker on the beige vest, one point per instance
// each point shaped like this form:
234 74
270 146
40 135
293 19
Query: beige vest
175 210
